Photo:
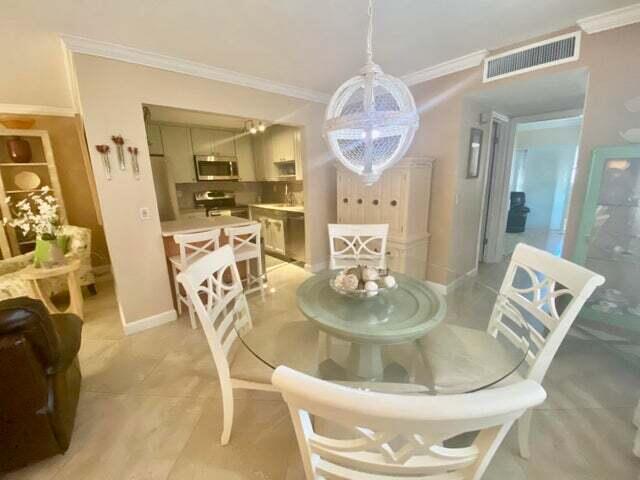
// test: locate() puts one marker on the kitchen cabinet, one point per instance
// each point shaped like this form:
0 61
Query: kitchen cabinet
224 143
154 139
278 154
272 234
202 140
178 153
246 165
209 141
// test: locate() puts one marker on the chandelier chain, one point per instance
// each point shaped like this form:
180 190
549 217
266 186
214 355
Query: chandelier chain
370 34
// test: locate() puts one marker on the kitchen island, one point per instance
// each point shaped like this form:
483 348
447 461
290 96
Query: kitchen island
195 225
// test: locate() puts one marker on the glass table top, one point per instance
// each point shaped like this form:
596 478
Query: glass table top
438 336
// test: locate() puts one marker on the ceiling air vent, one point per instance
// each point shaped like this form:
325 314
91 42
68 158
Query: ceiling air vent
552 51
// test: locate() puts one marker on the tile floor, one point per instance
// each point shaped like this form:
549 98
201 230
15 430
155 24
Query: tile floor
150 409
549 240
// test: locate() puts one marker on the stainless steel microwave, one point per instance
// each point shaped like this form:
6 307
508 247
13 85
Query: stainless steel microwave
210 167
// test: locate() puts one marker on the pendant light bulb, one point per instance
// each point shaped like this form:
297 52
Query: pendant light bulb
261 127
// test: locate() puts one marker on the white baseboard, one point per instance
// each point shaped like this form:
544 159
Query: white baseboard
102 270
450 287
150 322
316 267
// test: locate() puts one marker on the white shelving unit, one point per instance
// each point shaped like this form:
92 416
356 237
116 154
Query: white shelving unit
43 164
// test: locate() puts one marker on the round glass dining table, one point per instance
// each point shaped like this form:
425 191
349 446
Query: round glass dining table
437 332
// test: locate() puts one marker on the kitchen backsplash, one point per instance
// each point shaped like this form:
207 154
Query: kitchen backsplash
246 192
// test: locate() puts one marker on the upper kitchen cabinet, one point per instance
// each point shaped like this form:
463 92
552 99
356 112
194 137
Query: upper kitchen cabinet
246 164
278 154
178 153
202 140
154 139
224 143
207 141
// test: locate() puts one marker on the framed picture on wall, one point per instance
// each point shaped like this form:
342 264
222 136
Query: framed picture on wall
475 147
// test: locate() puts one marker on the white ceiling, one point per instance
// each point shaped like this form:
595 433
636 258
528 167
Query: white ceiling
313 44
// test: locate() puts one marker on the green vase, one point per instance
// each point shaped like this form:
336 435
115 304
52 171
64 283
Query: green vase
48 253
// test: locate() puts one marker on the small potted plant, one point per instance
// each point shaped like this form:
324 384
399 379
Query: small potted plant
38 215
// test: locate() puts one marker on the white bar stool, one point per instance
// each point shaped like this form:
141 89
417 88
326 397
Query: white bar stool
247 246
192 247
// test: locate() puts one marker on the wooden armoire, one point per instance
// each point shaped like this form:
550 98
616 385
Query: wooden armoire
401 199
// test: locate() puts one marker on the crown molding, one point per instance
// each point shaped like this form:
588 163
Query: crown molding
163 62
612 19
445 68
18 109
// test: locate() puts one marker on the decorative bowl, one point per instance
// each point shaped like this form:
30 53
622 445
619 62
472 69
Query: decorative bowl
366 282
18 123
27 180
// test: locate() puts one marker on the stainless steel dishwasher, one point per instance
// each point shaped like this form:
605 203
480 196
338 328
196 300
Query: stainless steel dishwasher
294 237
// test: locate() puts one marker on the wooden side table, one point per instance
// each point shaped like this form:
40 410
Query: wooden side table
34 275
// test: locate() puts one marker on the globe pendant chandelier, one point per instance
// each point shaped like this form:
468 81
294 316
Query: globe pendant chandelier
371 119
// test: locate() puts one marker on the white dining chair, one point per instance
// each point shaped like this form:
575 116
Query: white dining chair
390 436
214 287
351 245
532 286
247 246
192 246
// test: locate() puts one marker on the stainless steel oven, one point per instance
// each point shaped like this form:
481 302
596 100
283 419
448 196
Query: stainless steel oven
210 167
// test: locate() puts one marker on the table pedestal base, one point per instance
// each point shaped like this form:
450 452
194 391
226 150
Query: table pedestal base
365 361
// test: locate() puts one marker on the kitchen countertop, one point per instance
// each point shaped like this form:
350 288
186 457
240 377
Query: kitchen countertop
193 225
279 206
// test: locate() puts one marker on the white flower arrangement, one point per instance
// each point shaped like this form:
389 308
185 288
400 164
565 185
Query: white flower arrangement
37 214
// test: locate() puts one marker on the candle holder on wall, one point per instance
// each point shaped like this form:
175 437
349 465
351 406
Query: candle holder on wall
135 166
119 141
106 162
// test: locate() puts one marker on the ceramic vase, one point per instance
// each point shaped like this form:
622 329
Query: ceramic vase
19 150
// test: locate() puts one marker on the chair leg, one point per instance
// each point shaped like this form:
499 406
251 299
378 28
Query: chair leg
176 286
524 427
260 276
227 410
192 316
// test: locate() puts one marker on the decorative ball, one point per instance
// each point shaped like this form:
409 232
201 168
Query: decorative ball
370 122
369 273
371 287
389 281
339 281
350 282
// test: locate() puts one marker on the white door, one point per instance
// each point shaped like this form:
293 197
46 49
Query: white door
178 153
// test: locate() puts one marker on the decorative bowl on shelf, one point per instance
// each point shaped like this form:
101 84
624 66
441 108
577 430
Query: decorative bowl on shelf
17 123
363 281
27 180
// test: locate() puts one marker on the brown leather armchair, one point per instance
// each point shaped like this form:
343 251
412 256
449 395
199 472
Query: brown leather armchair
39 381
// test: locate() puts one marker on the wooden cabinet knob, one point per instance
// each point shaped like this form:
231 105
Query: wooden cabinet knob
376 202
394 203
359 201
345 200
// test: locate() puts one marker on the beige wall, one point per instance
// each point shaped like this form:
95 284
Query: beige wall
611 58
33 68
111 94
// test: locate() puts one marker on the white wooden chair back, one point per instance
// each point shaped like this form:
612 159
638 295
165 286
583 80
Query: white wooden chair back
353 244
534 282
245 239
214 287
195 245
386 436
